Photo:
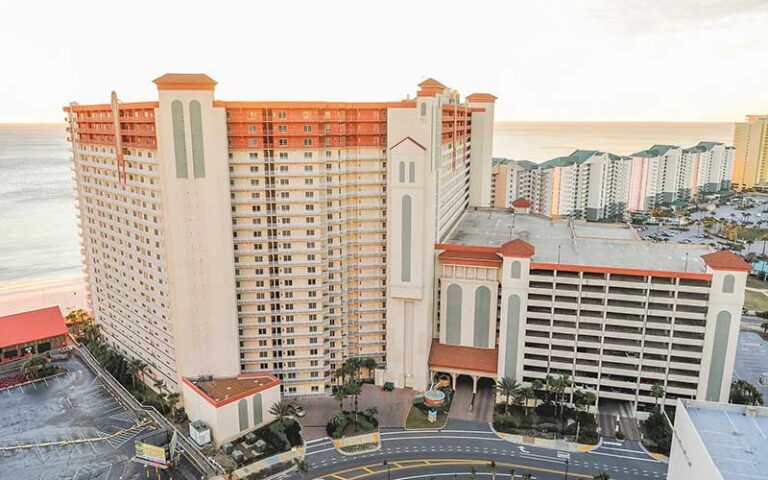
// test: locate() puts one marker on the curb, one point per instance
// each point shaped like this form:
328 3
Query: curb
361 452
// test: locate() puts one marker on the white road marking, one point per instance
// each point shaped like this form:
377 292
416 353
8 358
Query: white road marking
623 456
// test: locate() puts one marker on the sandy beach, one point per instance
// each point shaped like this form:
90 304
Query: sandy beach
66 292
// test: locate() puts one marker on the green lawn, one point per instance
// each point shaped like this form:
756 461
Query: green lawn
418 419
755 301
754 282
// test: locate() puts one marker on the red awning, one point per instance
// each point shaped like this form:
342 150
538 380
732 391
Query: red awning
456 357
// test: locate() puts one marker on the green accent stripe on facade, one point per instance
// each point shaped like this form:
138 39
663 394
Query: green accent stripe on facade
179 142
482 316
453 315
405 245
257 418
719 349
513 328
196 128
242 414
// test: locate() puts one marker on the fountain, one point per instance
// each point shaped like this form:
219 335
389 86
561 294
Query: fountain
434 397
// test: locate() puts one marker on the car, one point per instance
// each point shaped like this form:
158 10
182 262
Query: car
298 410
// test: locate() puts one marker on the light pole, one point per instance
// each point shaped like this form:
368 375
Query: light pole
566 469
386 464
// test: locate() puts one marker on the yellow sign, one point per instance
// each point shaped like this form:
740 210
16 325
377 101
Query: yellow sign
150 453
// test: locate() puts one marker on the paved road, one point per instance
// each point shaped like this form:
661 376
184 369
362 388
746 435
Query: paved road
418 454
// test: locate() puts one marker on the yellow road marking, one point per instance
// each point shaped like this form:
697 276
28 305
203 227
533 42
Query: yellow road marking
443 462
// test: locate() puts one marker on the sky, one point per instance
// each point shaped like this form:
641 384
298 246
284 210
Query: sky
569 60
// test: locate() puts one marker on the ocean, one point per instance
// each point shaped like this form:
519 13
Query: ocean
38 226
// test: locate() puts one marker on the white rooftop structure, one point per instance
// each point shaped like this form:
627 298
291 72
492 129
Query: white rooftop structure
719 441
576 242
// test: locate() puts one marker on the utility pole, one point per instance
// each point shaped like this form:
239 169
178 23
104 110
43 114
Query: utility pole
566 469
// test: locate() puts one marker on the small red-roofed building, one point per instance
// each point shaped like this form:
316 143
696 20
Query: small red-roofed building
233 406
522 205
28 333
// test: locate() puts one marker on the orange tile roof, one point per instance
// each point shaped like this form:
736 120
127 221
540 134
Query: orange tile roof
481 98
517 248
463 358
478 259
221 391
521 203
29 327
185 81
431 82
725 260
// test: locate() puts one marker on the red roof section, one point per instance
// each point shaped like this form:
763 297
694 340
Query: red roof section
725 260
185 81
227 390
463 358
521 203
29 327
518 248
477 259
481 98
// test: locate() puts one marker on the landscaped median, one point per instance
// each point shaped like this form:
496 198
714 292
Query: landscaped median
367 442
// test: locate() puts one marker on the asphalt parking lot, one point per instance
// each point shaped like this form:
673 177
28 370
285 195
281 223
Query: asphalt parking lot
69 407
752 360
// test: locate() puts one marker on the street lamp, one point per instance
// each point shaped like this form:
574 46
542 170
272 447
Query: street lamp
566 469
386 464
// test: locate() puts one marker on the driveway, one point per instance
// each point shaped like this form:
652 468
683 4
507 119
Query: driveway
393 409
482 410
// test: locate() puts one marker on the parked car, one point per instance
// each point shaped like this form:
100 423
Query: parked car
298 410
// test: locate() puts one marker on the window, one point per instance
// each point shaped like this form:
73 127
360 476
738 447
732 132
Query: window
282 115
251 128
412 172
307 142
282 142
424 109
179 140
729 283
196 129
405 245
307 128
401 172
515 270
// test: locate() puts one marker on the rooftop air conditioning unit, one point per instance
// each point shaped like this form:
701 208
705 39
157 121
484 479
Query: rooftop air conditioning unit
200 432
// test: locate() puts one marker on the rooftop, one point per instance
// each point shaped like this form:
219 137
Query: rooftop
576 242
221 391
185 81
734 439
463 358
28 327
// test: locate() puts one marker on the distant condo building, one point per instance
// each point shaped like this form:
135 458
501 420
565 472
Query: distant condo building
750 139
226 238
599 186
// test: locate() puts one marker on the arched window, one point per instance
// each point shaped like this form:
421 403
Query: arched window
405 240
412 172
453 315
179 140
196 128
515 269
424 109
482 316
257 418
242 413
402 172
513 334
729 283
719 351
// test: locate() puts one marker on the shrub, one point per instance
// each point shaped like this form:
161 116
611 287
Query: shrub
548 427
388 386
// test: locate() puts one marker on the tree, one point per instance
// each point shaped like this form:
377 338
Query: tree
77 319
92 332
159 385
602 476
281 411
35 367
354 389
512 474
302 467
472 473
764 239
657 391
527 476
764 326
526 393
744 393
537 385
492 468
171 400
340 395
135 368
508 387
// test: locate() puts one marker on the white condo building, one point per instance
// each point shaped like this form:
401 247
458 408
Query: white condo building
229 243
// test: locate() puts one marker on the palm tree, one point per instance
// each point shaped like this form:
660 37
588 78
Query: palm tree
473 473
281 410
527 476
159 385
602 476
537 385
135 368
657 391
340 395
508 387
512 474
744 393
171 400
526 393
354 389
764 326
302 467
492 468
92 332
764 239
35 367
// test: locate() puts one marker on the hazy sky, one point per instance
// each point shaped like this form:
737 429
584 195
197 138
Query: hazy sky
545 60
